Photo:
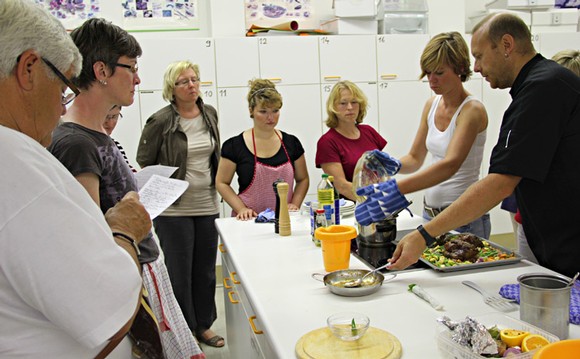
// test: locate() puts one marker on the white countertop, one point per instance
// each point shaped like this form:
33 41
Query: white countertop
276 274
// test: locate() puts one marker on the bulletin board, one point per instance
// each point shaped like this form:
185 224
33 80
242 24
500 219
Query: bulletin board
131 15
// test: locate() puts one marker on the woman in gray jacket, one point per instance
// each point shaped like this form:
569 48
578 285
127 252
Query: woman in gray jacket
185 134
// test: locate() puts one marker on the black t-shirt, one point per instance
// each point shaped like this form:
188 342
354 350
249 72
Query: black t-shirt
540 141
235 150
82 150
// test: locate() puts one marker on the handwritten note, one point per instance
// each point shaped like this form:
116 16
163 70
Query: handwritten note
145 174
160 192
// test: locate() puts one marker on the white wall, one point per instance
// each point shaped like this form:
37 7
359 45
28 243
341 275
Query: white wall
446 15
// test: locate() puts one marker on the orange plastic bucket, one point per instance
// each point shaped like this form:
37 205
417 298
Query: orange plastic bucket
335 246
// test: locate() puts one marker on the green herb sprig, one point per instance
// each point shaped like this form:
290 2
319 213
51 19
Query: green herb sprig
353 330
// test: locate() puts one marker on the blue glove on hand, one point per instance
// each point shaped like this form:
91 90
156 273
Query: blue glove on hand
382 199
391 164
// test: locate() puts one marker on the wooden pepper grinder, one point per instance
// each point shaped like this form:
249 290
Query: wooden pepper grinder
284 223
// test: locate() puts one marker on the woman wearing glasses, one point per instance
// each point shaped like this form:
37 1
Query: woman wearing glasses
185 134
339 149
260 156
108 77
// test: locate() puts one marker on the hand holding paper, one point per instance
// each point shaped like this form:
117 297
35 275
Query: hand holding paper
160 192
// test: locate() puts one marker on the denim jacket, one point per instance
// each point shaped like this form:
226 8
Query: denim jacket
163 141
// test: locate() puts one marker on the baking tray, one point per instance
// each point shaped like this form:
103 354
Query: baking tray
517 258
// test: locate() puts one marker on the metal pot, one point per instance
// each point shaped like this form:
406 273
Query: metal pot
335 281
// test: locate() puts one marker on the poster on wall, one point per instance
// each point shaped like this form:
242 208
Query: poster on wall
272 12
151 15
567 4
72 13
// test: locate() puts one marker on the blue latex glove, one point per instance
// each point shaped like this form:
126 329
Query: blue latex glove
391 164
382 199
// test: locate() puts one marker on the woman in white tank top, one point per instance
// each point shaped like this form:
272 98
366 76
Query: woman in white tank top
452 128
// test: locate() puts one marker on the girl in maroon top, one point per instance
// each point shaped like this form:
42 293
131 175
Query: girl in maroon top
339 149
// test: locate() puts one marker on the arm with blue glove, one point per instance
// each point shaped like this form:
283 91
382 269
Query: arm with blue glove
391 164
382 199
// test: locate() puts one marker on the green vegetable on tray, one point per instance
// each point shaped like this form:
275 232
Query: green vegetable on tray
436 255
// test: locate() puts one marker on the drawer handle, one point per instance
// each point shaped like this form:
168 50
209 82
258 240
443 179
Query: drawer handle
226 286
389 76
221 248
275 79
251 320
230 294
331 78
233 276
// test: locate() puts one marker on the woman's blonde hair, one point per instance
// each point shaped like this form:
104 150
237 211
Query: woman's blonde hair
172 72
334 99
447 48
263 93
569 59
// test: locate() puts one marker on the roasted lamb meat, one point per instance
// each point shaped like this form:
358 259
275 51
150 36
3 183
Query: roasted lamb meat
464 247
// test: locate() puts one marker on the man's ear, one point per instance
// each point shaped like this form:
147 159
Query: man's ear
28 61
507 44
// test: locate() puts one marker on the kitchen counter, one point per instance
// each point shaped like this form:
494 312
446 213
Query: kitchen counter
276 274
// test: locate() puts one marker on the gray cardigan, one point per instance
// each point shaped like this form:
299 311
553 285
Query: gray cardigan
164 142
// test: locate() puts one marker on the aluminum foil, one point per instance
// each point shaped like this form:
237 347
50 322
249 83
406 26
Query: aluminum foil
471 334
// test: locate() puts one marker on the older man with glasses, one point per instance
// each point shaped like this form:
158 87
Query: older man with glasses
67 289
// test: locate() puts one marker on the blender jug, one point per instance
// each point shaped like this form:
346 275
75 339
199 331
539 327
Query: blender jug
368 171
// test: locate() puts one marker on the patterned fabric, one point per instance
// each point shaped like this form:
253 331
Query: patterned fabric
177 339
379 159
512 291
260 195
122 150
382 199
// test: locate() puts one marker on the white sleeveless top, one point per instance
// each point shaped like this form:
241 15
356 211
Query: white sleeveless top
437 143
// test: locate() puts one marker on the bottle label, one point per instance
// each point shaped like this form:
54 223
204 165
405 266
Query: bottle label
320 221
325 196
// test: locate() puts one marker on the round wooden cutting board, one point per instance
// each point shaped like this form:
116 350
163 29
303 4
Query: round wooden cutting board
322 344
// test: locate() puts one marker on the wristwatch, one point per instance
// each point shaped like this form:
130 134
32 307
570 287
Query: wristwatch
429 240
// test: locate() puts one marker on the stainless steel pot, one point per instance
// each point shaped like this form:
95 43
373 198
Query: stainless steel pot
335 281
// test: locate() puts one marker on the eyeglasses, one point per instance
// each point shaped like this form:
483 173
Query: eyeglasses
113 117
185 82
133 68
67 97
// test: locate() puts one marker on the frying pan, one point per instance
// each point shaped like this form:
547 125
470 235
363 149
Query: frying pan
335 281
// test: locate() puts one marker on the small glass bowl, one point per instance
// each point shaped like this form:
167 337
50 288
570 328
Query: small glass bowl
341 325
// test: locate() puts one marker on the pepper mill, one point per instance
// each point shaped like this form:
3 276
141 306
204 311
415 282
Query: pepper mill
284 222
277 209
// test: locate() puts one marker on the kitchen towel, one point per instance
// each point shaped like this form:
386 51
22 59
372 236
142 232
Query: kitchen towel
512 291
266 216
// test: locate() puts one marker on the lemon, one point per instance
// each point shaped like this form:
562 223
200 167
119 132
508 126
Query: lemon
512 337
533 341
